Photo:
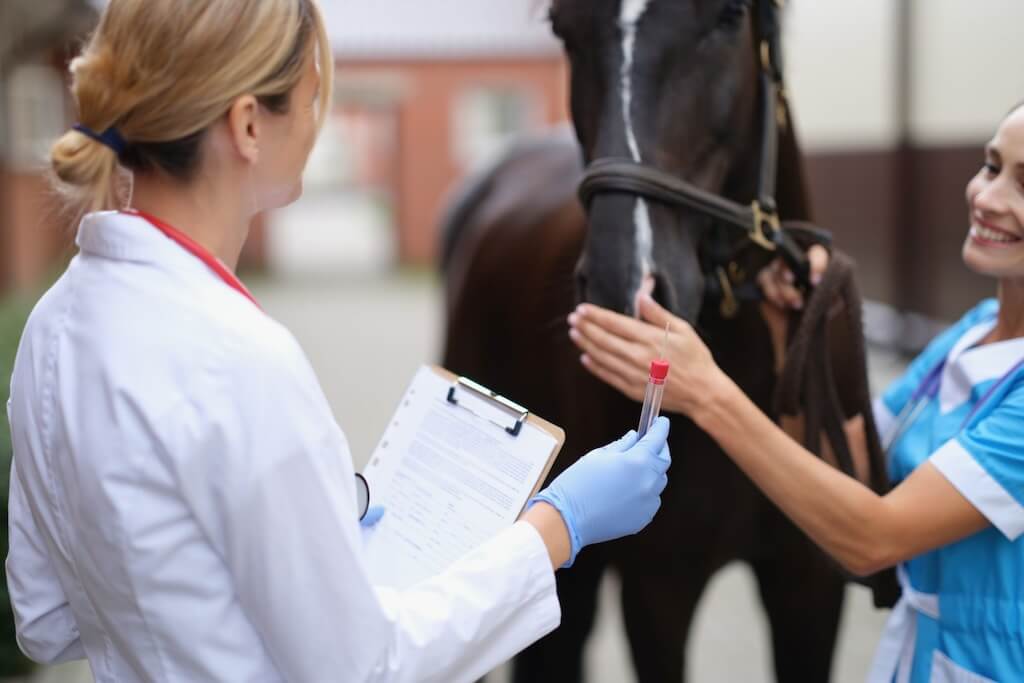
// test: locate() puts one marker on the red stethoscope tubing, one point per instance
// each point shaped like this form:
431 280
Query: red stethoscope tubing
197 250
225 274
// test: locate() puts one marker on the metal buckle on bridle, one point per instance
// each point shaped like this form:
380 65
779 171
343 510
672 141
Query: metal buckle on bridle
766 58
730 305
764 217
771 69
781 108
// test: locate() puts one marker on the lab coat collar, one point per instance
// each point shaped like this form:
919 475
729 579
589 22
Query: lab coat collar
124 237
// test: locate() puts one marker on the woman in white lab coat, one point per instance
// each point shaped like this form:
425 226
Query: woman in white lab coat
182 504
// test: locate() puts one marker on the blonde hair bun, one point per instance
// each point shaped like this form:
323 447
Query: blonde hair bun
86 169
163 94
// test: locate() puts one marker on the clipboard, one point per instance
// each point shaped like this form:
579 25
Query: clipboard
521 416
456 464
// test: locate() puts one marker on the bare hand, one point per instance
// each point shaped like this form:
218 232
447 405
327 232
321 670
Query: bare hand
618 350
779 284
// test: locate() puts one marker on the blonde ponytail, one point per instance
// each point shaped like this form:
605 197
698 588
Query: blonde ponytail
161 72
87 171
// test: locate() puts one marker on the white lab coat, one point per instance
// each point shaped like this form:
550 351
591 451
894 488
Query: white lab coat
182 504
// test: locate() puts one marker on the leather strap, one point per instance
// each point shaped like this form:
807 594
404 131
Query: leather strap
760 220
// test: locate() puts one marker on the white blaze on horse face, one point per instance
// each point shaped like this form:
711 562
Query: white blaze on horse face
630 14
629 17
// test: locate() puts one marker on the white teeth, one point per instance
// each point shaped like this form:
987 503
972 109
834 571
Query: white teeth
992 235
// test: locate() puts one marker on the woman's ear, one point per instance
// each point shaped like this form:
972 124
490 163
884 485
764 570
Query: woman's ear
244 127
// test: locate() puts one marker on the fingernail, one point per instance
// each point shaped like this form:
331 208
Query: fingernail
585 359
581 309
574 334
574 319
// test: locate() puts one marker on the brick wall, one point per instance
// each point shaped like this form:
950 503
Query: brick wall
426 167
34 237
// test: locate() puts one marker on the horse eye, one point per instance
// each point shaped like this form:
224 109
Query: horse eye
733 13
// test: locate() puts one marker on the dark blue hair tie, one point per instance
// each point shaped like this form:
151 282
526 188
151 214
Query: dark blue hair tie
110 137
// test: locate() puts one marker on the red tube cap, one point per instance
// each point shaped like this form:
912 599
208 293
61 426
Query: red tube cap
659 370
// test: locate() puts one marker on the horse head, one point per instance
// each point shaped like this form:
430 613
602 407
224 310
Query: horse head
672 85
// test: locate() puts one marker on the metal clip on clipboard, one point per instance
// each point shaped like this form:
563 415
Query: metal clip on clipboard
514 410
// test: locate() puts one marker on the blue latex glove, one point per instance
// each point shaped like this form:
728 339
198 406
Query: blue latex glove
614 491
372 516
368 524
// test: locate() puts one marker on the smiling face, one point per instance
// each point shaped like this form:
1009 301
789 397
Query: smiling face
995 197
671 84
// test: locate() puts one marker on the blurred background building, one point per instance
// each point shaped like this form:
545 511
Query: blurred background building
36 38
894 100
427 92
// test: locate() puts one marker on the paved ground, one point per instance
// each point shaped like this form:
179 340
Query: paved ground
365 338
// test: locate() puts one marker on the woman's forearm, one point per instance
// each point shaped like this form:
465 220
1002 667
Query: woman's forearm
863 531
552 529
840 514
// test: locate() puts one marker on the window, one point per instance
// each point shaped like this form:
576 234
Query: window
35 114
486 119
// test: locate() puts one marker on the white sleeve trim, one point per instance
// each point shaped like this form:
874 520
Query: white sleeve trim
979 488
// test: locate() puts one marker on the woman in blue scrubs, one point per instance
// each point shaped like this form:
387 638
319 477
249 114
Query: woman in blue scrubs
955 428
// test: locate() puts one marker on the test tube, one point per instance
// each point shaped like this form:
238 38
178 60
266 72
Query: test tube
652 398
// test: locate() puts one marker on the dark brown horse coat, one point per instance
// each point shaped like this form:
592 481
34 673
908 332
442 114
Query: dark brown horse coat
512 244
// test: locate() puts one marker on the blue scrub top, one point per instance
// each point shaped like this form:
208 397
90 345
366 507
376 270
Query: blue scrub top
965 620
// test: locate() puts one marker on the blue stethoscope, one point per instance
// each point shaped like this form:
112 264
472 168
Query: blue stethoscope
928 389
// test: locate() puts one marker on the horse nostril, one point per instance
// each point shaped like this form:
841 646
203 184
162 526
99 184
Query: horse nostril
581 286
663 293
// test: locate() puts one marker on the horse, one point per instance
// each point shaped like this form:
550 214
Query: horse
678 96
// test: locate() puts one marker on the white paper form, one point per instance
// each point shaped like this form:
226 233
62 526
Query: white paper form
449 478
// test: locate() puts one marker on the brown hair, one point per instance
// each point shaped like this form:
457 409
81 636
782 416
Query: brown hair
163 71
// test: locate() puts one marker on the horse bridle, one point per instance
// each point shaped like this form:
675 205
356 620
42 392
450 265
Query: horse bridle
759 221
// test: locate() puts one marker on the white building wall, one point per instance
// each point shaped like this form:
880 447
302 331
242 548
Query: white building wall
840 57
842 62
438 28
969 68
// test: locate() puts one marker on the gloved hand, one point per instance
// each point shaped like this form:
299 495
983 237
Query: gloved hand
368 524
372 516
613 491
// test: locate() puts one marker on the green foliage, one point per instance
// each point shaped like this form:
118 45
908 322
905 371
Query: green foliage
13 314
